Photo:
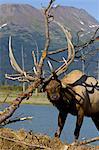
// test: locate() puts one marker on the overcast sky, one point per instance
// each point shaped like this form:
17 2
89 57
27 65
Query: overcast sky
91 6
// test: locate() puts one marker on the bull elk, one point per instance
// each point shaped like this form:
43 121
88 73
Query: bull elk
76 93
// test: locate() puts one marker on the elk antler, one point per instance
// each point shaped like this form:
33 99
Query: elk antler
71 51
22 76
70 58
14 64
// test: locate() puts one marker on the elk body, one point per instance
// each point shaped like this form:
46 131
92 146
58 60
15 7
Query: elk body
76 93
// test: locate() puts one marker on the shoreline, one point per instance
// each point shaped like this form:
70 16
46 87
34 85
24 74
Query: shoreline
39 99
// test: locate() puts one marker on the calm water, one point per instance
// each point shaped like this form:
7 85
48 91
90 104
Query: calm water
45 121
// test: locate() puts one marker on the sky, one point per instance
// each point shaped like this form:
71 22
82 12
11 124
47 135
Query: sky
91 6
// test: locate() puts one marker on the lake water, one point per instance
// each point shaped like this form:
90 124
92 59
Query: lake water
45 121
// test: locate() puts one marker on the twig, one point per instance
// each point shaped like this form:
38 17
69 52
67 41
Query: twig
89 141
53 59
77 47
8 121
24 143
57 51
6 98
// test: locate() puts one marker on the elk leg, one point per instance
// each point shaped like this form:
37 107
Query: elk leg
96 121
79 122
61 122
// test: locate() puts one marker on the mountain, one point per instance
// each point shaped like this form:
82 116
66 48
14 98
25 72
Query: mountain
26 26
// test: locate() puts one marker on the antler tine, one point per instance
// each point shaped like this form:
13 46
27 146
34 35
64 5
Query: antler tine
50 66
65 61
14 64
34 58
71 52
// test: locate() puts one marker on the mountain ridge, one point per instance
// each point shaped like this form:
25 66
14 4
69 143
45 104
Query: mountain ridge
27 12
25 24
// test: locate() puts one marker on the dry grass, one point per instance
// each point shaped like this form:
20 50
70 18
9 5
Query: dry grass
21 140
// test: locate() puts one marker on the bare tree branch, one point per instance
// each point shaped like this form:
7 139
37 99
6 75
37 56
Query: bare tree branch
47 34
9 121
77 47
8 112
89 141
57 51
